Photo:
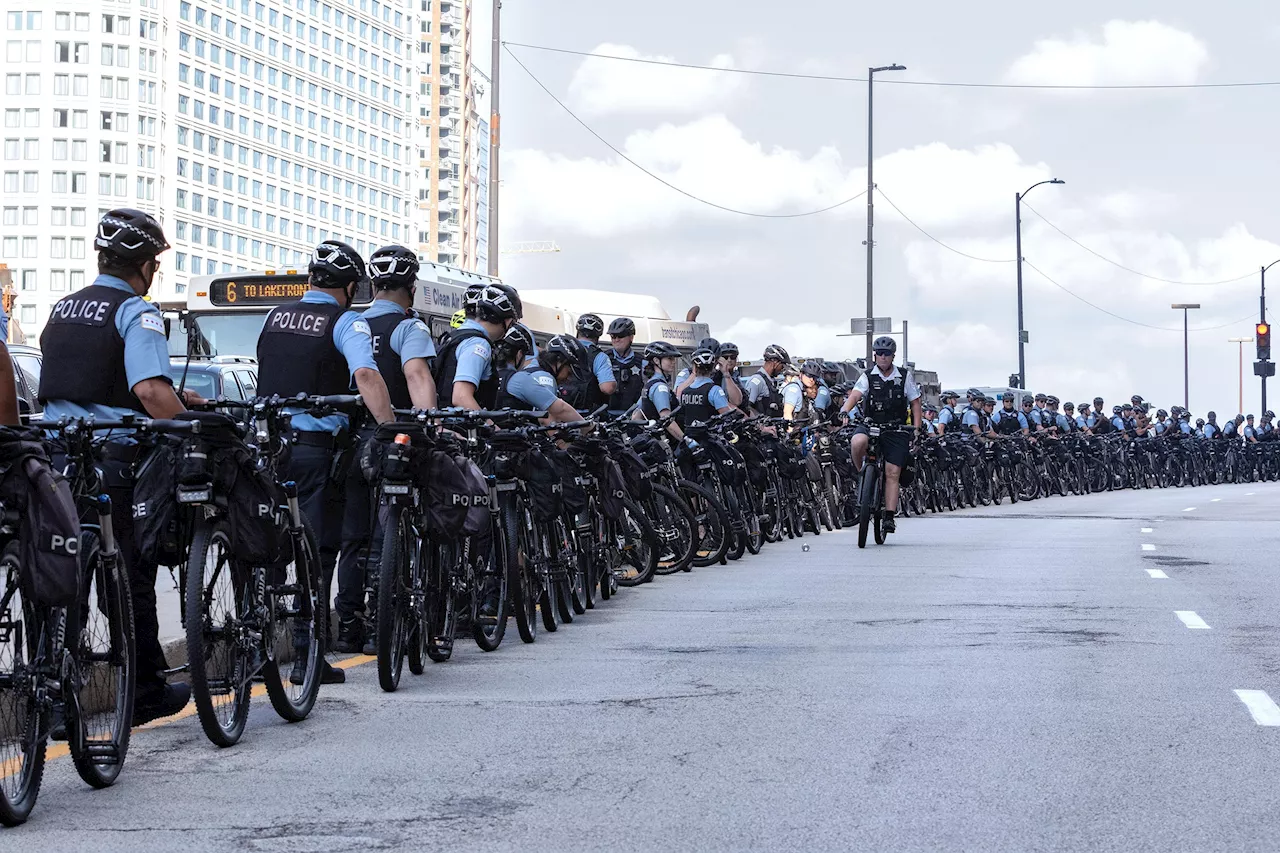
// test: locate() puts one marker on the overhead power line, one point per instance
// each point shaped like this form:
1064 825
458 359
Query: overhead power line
1119 265
664 181
939 242
1097 307
1244 84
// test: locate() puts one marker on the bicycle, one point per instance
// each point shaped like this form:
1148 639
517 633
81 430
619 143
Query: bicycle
871 484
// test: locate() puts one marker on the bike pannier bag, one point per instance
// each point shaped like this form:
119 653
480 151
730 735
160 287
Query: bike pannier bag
572 493
613 489
254 512
543 486
156 527
636 471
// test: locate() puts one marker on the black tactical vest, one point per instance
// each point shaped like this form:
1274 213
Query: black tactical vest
581 390
297 354
951 425
695 405
769 403
630 381
84 351
1008 424
388 360
886 399
505 399
447 368
647 406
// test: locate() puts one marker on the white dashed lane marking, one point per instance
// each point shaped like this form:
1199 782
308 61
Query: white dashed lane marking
1148 547
1261 707
1157 573
1144 530
1189 509
1214 500
1191 620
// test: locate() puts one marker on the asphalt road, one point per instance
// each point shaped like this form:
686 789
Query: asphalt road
1015 678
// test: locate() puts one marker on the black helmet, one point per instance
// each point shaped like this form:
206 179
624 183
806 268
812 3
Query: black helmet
1097 400
1161 414
590 325
1127 407
1068 405
729 348
1136 399
1239 419
773 352
1028 401
1248 417
884 344
1268 414
812 369
393 266
335 264
1210 416
562 349
660 349
711 344
1115 410
1052 400
1007 396
1040 398
513 296
949 395
831 367
493 305
703 357
130 234
622 327
1199 422
518 338
973 393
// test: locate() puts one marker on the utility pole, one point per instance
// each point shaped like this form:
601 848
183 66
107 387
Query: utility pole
1264 327
1022 332
1184 307
871 197
495 139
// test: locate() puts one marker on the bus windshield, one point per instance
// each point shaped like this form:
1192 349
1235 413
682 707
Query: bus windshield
230 333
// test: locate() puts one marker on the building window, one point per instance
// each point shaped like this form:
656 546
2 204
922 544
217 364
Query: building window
57 280
58 247
77 279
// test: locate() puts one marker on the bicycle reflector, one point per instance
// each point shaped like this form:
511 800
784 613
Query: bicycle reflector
1263 332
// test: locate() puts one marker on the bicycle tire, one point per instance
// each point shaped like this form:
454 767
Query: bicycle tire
489 637
395 584
831 493
99 756
215 608
23 719
546 583
712 520
737 538
441 606
602 572
878 527
293 702
678 526
520 587
866 501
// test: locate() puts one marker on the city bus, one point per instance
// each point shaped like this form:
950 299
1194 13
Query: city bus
224 313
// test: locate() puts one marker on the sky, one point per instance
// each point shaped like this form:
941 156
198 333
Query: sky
1172 184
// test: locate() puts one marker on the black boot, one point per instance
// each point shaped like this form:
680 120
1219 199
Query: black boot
350 635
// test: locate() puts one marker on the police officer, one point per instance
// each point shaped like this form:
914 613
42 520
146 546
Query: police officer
318 345
626 363
732 382
947 418
1069 412
464 371
762 389
1008 420
1266 429
534 388
974 421
794 404
402 347
701 399
889 393
816 391
511 354
593 382
105 355
661 359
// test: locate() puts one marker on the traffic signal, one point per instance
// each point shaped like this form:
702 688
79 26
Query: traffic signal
1263 331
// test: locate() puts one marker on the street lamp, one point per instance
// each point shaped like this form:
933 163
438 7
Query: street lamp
1262 319
1022 334
871 195
1242 342
1186 349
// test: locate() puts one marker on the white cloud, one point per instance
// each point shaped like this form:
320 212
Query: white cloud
1127 53
801 340
710 158
604 86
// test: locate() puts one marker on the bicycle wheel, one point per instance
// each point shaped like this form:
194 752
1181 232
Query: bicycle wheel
878 527
490 569
23 718
293 601
737 527
508 545
395 597
868 500
771 509
602 572
585 552
543 577
640 545
218 660
101 690
676 527
712 520
440 616
831 494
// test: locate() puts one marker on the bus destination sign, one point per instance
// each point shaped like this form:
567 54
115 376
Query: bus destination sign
257 291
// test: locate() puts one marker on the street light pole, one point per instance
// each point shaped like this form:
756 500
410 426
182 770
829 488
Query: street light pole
1242 342
495 138
1022 334
1262 318
1186 351
871 195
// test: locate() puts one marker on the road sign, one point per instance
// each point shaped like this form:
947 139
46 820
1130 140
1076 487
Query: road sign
1264 368
879 325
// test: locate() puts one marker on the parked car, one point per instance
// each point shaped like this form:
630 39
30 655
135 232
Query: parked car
232 376
26 369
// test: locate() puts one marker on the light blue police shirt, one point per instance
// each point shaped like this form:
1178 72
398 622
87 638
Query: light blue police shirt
600 364
354 340
716 397
537 389
411 338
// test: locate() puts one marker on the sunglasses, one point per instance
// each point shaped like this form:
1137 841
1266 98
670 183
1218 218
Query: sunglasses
883 352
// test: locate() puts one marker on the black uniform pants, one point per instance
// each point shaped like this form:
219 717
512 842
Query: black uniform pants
361 544
310 467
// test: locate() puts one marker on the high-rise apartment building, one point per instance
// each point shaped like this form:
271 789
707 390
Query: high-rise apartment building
252 128
446 129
